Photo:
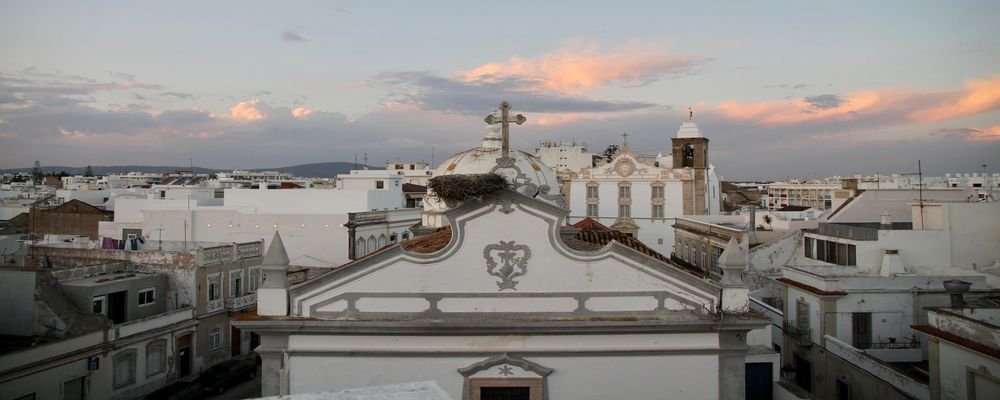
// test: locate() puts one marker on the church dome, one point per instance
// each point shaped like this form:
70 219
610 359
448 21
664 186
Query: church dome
689 130
481 160
526 173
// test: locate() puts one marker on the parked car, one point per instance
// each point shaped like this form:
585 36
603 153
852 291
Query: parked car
224 375
178 391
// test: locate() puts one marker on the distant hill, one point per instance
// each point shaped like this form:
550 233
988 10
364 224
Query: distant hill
318 170
315 170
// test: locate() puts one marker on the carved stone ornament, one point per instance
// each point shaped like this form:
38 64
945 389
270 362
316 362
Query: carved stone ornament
625 168
507 260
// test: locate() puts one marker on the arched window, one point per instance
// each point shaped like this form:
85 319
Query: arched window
688 154
372 244
359 249
381 241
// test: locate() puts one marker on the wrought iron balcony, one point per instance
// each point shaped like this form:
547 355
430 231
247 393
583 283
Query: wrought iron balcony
214 305
799 335
241 302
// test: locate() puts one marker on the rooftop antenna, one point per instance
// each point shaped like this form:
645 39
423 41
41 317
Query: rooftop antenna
432 157
920 190
355 161
690 114
366 161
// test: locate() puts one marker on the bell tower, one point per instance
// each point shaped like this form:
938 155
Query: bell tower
690 152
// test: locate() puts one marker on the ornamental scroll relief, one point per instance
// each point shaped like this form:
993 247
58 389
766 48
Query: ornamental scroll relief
507 260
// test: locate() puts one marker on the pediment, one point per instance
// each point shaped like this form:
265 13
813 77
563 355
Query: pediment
504 256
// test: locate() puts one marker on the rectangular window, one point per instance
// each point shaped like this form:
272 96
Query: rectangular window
861 324
98 307
214 284
624 191
592 192
156 360
802 315
624 211
809 247
254 279
657 211
147 297
379 184
235 283
591 210
124 369
215 338
657 192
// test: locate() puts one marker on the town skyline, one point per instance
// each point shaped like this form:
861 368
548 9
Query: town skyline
786 87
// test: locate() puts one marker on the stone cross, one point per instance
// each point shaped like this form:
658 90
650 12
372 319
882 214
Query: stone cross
625 138
504 122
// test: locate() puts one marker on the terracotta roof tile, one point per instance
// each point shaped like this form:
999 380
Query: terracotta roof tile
603 238
430 242
589 224
961 341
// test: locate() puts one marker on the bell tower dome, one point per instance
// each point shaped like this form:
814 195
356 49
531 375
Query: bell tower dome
690 150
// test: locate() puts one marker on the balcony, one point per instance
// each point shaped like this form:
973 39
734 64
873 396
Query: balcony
214 305
799 335
241 302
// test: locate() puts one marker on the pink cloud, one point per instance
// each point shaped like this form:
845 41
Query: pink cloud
302 112
250 110
894 105
972 134
577 68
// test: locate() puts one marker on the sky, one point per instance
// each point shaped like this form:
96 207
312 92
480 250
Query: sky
781 89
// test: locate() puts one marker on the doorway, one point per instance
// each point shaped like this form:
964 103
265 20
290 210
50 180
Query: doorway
505 393
184 356
73 390
803 374
759 378
118 306
235 341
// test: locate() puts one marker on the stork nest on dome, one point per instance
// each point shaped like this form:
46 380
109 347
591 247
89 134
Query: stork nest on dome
461 187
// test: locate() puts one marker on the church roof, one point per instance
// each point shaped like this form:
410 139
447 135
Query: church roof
603 238
430 242
589 224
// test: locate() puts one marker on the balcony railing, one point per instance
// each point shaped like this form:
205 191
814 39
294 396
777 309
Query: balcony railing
242 302
215 305
800 335
907 344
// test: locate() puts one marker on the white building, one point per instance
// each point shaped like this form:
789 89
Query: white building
312 221
964 351
540 313
643 197
503 299
415 173
565 157
852 290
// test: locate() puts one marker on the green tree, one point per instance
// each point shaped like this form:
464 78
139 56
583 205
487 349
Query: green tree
610 152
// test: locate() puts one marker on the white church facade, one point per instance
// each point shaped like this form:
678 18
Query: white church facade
502 301
643 197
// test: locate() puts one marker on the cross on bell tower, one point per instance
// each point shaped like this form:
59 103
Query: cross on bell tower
504 122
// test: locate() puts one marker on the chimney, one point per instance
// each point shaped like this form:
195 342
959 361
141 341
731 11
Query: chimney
886 222
849 184
956 287
892 263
